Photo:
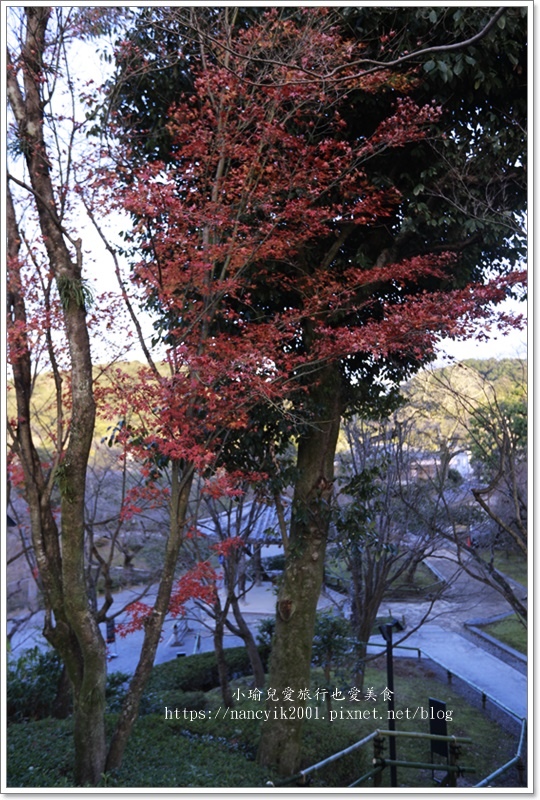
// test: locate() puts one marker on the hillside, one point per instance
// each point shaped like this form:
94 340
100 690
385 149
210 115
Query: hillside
44 403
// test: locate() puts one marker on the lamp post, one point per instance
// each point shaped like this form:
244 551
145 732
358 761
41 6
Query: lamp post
386 632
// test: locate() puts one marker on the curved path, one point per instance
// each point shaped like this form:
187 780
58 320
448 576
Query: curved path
438 638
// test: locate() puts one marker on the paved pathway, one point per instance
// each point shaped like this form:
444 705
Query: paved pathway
444 645
464 659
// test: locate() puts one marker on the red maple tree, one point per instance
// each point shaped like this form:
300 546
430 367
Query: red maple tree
244 233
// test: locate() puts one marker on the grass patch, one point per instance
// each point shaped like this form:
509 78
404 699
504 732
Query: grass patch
514 565
510 631
423 583
220 753
414 683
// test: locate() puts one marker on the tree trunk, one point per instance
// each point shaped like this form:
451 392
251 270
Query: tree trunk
70 625
369 583
180 492
290 663
251 645
63 702
223 672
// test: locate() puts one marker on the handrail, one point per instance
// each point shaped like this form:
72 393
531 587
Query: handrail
394 646
360 743
438 737
325 761
366 776
302 774
387 762
508 764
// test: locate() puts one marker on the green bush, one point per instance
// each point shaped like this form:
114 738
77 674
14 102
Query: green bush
159 753
264 637
32 684
193 674
115 690
322 739
153 702
274 563
40 753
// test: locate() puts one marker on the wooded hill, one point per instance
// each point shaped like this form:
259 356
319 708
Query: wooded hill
428 393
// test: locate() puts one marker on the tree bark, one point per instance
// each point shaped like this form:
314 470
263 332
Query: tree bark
73 630
63 702
223 672
290 663
181 487
251 645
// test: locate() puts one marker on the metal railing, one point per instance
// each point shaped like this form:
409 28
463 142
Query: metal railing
517 761
452 769
485 695
382 763
301 776
451 673
394 647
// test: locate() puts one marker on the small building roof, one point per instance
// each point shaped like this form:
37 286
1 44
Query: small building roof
256 522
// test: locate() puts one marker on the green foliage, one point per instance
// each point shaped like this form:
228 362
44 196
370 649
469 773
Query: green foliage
465 402
74 292
267 628
44 409
167 753
115 690
159 753
197 673
454 477
61 477
355 521
331 642
40 753
275 562
32 684
506 375
33 681
482 89
154 702
498 431
219 753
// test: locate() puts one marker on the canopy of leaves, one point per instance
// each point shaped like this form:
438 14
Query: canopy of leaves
309 220
463 189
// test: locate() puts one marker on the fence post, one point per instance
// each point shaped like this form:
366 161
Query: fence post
378 749
520 766
453 759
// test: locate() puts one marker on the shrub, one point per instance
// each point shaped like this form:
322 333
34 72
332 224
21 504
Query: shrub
115 690
32 685
275 563
192 675
34 682
153 702
264 637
